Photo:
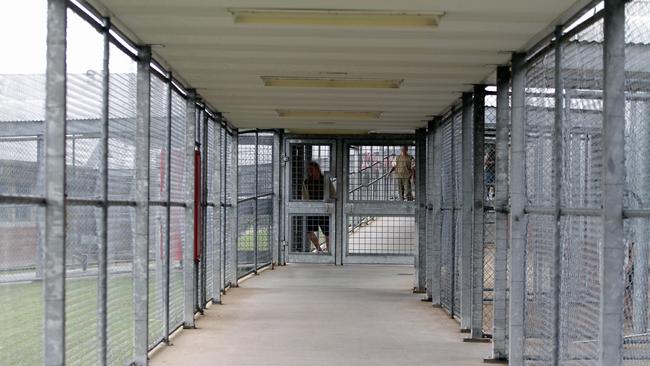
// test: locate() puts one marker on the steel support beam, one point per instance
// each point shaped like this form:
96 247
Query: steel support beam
558 143
55 209
341 166
517 214
435 220
277 197
167 249
467 188
502 192
428 207
215 197
612 286
232 212
478 197
102 251
256 206
188 250
420 210
141 244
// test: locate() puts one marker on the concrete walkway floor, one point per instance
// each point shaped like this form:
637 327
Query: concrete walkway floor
324 315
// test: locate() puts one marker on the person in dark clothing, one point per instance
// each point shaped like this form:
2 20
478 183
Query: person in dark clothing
313 189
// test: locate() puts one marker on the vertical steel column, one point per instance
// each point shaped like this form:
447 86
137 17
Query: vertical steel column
232 214
256 206
217 253
141 244
340 233
500 311
467 217
429 193
436 220
55 208
420 219
168 168
102 251
420 210
454 211
224 205
517 215
277 196
188 250
478 227
612 286
558 143
203 299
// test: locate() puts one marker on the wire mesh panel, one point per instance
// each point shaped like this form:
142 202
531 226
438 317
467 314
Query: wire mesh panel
264 230
381 235
230 270
310 234
447 234
264 163
177 164
309 165
176 245
157 245
489 221
246 237
158 154
381 173
540 258
580 237
121 220
84 172
120 285
457 128
246 165
636 328
82 247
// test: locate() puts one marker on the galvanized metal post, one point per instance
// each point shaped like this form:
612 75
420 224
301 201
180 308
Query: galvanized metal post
141 244
478 138
167 249
233 231
518 225
499 307
102 251
456 210
224 206
256 204
215 171
188 250
277 196
612 286
428 215
558 143
435 258
55 214
340 233
467 216
420 210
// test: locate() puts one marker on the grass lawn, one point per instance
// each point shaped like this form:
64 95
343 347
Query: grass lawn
21 317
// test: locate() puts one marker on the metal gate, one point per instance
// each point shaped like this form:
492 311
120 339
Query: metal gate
310 200
378 215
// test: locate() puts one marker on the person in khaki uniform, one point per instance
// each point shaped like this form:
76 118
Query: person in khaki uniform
404 171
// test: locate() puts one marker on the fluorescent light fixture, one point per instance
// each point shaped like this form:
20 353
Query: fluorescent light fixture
329 115
320 82
332 17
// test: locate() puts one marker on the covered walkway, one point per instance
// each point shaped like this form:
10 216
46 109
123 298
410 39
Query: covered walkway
324 315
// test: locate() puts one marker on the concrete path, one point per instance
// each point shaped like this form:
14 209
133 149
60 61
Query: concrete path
323 315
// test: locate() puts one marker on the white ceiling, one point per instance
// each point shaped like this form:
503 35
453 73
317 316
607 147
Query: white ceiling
224 61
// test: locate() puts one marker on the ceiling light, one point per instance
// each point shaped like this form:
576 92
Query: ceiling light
329 115
315 82
348 18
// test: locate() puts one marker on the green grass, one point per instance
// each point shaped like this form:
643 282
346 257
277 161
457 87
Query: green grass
246 241
21 320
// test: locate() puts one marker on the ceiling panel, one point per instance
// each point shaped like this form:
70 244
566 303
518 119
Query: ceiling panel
224 61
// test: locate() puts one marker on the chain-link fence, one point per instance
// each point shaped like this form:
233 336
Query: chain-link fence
103 160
